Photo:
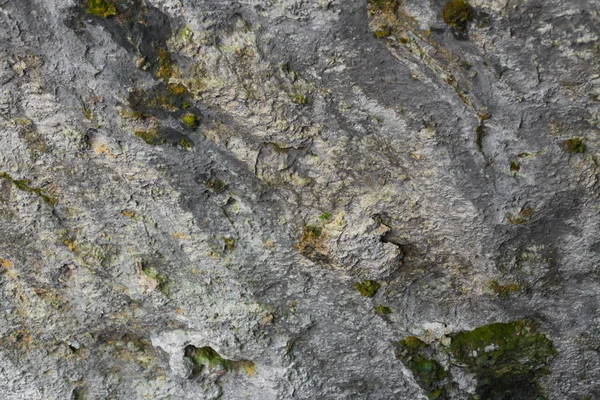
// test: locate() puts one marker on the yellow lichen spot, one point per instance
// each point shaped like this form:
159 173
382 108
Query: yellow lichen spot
103 149
249 367
5 263
128 213
177 235
179 311
71 244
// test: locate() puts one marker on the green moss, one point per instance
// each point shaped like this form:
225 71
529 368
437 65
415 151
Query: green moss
100 8
383 310
190 120
503 291
23 185
416 356
207 357
457 13
325 216
506 358
314 230
150 136
184 35
367 288
574 146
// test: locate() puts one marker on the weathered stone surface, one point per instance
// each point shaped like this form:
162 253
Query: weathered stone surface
190 191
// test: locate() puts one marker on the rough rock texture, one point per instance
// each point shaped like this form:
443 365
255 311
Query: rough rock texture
299 199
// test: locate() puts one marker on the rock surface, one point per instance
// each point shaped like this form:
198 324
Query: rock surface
299 199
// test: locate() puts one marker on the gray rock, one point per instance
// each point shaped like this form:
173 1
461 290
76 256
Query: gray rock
220 173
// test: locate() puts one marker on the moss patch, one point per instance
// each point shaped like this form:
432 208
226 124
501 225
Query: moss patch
312 244
100 8
150 136
190 120
457 13
367 288
480 133
515 167
165 66
383 310
574 146
383 31
506 358
23 185
206 359
417 357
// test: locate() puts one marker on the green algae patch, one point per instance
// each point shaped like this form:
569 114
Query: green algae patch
367 288
23 185
457 13
506 358
574 146
416 355
100 8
